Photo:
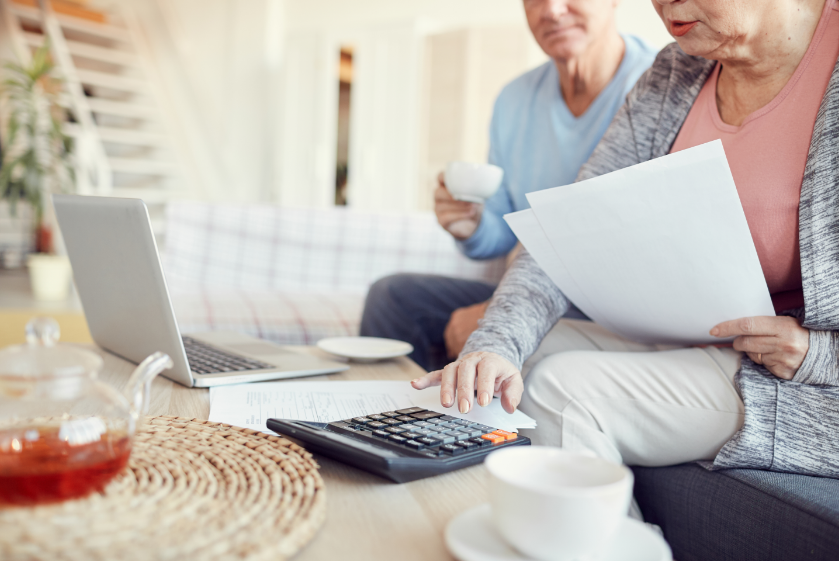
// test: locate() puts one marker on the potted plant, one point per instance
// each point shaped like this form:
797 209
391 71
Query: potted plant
37 161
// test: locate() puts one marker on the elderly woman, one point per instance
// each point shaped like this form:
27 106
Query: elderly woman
762 76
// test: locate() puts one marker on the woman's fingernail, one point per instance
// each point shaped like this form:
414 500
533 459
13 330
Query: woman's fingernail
715 330
415 380
464 406
446 399
483 399
515 403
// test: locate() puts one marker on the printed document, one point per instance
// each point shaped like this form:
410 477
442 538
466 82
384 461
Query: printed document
659 252
251 405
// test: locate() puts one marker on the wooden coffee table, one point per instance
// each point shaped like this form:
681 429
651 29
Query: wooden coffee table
367 517
17 307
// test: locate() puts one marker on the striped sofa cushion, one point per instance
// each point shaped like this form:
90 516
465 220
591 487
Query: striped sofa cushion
294 276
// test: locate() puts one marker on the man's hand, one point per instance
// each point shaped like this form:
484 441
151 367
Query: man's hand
461 325
779 343
491 373
459 218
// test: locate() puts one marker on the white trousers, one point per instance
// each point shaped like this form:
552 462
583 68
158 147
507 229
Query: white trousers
627 402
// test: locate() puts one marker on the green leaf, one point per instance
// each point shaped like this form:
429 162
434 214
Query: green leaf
24 175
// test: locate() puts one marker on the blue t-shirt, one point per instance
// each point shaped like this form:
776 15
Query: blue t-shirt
540 144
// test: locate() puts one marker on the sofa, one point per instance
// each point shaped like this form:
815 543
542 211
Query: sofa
741 514
294 276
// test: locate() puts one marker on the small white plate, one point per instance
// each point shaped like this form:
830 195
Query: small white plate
365 349
472 536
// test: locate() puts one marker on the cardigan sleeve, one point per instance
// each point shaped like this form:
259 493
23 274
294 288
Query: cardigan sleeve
525 306
821 365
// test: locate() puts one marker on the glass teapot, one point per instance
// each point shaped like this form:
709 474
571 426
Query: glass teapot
63 433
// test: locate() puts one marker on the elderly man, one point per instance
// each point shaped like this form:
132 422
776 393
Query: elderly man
545 125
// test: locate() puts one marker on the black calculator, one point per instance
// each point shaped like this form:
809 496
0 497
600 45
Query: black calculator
402 445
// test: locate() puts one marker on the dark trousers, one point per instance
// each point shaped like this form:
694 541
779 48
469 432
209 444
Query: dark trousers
416 309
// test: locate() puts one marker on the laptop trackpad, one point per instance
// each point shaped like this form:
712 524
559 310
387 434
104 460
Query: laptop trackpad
256 348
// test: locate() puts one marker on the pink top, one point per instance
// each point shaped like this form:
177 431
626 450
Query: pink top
767 155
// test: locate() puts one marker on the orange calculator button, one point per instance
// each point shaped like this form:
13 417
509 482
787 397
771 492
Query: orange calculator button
494 438
506 435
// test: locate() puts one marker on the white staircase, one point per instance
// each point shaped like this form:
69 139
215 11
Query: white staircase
122 145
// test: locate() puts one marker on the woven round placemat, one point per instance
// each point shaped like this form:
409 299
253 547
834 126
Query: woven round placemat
192 490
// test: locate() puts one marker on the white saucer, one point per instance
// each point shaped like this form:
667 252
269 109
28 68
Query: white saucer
472 536
365 349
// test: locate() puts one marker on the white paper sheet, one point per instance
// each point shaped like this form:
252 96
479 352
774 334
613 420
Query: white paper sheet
527 229
251 405
659 252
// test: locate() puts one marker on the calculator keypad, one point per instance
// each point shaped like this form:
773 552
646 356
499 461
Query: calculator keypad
429 433
452 449
410 410
426 415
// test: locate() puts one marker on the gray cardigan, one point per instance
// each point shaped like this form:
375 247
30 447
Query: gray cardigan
527 303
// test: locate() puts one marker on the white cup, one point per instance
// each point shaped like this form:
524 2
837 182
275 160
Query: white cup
50 276
473 182
555 505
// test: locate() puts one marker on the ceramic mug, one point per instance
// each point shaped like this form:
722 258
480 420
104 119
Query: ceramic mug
472 182
50 276
556 505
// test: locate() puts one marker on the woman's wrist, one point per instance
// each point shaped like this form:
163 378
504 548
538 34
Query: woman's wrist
821 363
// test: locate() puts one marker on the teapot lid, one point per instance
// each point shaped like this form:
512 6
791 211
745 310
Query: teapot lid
41 356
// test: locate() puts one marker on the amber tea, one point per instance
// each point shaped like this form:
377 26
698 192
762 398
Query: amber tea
38 466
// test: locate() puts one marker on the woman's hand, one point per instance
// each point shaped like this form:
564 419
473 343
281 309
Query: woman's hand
779 343
494 374
459 218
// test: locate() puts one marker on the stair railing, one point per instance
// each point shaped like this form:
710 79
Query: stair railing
93 172
13 33
16 42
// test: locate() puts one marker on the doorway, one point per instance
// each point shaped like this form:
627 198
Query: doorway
345 75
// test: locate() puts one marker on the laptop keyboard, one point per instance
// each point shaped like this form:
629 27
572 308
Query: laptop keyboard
207 359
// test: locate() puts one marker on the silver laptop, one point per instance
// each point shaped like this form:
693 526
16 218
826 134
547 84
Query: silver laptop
123 292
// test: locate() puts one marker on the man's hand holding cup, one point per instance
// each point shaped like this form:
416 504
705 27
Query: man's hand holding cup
459 218
460 194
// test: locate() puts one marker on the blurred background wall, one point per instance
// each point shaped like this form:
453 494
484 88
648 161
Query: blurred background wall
323 102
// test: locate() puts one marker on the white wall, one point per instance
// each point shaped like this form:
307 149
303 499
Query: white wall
219 60
639 18
634 16
445 14
304 153
385 118
251 84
